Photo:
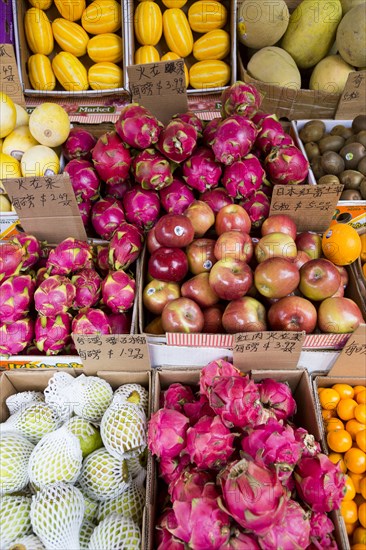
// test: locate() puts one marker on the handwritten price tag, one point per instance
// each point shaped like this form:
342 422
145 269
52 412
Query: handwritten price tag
9 77
353 98
352 359
252 349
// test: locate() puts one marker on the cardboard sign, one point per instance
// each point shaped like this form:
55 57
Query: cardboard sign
160 87
9 77
352 359
310 206
353 98
268 349
127 352
46 207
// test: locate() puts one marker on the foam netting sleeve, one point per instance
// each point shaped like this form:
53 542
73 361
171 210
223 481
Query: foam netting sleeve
91 397
20 400
30 542
57 512
86 531
15 451
58 394
33 422
130 504
57 457
134 393
91 506
14 518
116 532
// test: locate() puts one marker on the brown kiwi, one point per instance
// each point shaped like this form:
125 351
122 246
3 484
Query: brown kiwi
352 154
350 195
329 179
351 139
363 189
331 143
361 166
313 130
340 130
361 137
312 150
351 179
317 168
359 123
332 163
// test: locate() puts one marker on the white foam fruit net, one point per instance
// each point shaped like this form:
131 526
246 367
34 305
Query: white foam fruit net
137 467
15 451
30 542
20 400
103 476
123 429
116 532
14 518
91 506
58 394
91 397
134 393
57 512
33 422
87 434
86 531
130 504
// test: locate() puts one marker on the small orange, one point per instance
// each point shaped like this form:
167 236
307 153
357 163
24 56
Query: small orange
362 514
334 424
349 511
361 440
363 247
356 478
353 427
344 390
363 487
351 528
341 244
358 388
329 399
361 395
339 441
350 489
326 415
358 546
337 458
320 390
355 459
359 536
364 270
345 408
360 413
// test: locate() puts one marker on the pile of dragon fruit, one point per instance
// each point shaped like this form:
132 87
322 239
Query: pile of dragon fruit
48 293
142 168
238 473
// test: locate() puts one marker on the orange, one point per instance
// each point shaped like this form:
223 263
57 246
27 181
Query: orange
337 458
351 527
334 424
339 441
344 390
353 427
326 415
358 546
361 395
363 247
356 478
362 514
349 511
359 536
361 440
350 489
355 459
364 270
320 390
358 388
341 244
345 408
329 399
360 413
363 487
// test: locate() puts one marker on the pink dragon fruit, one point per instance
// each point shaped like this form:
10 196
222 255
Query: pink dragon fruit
191 118
91 321
52 334
87 283
176 197
201 171
177 140
213 370
118 291
111 158
107 214
118 190
137 127
258 117
277 397
236 400
16 297
85 211
102 259
125 246
310 447
15 337
55 295
240 99
176 396
79 144
152 170
291 532
170 468
196 410
31 249
319 483
192 483
321 532
286 165
271 134
142 207
216 198
164 539
252 495
210 131
84 180
257 207
233 140
166 434
11 259
241 541
210 443
69 256
243 177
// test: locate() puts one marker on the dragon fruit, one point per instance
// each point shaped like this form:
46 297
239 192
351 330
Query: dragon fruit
120 322
201 171
277 397
125 246
118 291
166 434
210 443
107 214
11 258
176 396
257 207
192 483
240 99
191 118
252 495
291 532
243 177
91 321
55 295
286 165
84 180
177 140
52 334
321 532
241 541
216 198
111 158
102 259
319 483
164 539
79 144
310 447
152 170
233 140
31 249
210 131
15 337
118 190
87 283
176 197
213 370
258 117
194 411
142 207
85 211
170 468
137 127
271 134
16 296
69 256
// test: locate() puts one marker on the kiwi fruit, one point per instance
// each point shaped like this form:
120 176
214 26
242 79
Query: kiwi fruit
361 166
340 130
351 139
361 137
312 150
332 163
329 179
317 168
350 195
351 179
359 123
352 154
331 143
313 130
363 189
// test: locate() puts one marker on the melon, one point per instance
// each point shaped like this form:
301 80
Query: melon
274 66
330 75
351 36
49 123
262 22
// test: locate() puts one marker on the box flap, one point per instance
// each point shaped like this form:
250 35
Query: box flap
352 359
353 99
9 76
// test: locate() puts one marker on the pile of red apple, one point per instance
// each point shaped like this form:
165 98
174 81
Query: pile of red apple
207 274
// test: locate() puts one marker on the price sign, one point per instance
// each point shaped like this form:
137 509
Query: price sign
353 98
9 77
352 359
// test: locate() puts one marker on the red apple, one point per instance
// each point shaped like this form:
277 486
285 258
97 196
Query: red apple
244 315
155 326
311 243
199 289
292 313
232 217
301 259
279 223
339 293
202 217
200 255
234 244
339 315
319 279
275 245
158 293
174 230
168 264
276 277
151 241
344 274
230 279
213 319
182 315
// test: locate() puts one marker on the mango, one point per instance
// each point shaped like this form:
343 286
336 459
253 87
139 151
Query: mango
351 36
330 75
274 65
